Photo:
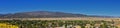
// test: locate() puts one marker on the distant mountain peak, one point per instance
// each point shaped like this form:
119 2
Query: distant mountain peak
45 14
39 14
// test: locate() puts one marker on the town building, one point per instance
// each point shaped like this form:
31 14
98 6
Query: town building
97 25
77 26
88 26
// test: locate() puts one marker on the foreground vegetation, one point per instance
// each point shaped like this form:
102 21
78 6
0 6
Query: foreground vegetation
60 23
7 25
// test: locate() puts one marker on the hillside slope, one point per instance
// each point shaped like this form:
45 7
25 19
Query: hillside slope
41 14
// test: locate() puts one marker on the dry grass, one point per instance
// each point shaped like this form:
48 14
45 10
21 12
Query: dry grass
66 18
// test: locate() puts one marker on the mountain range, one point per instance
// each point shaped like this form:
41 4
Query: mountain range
45 14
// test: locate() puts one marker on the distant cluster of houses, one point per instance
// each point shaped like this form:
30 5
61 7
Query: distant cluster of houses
116 24
91 26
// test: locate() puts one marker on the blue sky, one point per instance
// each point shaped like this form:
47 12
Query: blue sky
89 7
